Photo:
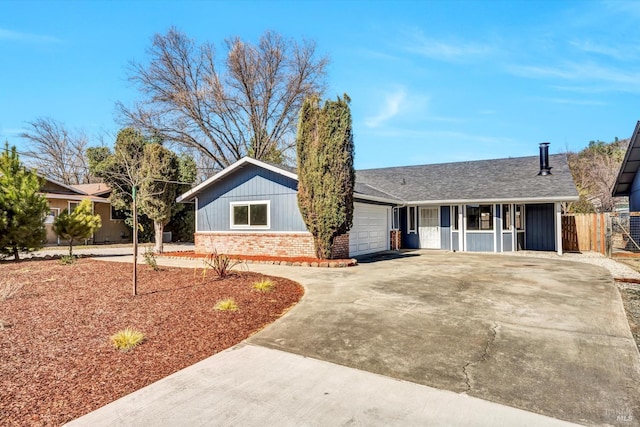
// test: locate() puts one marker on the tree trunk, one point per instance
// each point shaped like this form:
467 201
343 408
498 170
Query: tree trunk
16 253
70 248
158 226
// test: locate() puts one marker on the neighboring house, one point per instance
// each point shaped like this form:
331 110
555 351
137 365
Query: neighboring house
61 196
487 206
628 182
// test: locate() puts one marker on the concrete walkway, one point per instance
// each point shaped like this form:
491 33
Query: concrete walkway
255 386
546 336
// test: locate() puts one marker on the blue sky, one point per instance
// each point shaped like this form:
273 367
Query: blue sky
430 81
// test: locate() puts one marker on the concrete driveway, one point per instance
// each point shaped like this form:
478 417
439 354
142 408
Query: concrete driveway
545 336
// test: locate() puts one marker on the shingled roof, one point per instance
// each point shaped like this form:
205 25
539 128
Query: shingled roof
511 179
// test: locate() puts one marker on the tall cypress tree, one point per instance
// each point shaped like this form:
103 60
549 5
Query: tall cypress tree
22 207
326 175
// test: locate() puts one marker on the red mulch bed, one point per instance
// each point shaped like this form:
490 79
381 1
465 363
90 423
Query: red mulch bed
56 359
309 260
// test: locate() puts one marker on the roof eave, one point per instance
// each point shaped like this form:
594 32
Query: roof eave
78 197
633 144
361 196
495 200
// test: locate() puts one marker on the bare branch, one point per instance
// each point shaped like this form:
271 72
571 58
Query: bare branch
57 152
248 108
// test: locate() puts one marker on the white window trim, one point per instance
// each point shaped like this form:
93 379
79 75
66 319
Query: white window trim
232 226
54 216
69 205
415 222
493 215
452 216
111 218
395 211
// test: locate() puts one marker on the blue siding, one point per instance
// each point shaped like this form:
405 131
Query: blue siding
480 242
445 228
634 195
248 184
454 241
539 227
507 242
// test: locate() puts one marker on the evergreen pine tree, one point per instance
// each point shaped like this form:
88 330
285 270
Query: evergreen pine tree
77 225
22 207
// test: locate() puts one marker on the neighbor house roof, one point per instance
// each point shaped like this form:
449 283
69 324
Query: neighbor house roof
53 189
508 180
629 167
97 189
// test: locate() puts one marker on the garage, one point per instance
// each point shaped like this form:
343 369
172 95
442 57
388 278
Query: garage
370 230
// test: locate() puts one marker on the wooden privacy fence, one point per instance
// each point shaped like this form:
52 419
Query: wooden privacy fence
587 232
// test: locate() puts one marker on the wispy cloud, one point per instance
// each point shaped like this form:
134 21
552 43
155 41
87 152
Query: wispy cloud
585 102
619 52
18 36
391 107
623 80
445 50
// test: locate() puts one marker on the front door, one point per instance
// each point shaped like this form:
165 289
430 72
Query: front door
429 228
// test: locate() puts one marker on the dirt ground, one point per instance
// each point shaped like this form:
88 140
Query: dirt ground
57 360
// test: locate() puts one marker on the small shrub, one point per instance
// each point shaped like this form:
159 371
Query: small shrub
264 285
67 259
9 289
220 264
226 305
127 339
150 259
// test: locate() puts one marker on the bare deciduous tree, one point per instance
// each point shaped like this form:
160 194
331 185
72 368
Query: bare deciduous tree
248 107
57 152
594 170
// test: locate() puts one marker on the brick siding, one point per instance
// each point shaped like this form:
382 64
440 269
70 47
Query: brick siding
395 239
270 244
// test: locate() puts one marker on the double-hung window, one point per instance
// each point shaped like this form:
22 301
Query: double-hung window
455 225
506 217
250 215
395 218
412 213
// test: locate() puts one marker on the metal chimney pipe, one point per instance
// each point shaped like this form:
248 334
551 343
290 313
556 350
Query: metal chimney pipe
545 169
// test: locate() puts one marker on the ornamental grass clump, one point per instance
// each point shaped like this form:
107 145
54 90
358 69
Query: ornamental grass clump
127 339
220 264
227 304
9 289
264 285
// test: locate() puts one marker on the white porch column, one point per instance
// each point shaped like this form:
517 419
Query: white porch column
558 227
196 216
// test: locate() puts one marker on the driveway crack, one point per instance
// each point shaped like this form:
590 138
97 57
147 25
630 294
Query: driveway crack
493 332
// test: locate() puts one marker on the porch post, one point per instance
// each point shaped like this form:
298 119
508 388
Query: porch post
558 227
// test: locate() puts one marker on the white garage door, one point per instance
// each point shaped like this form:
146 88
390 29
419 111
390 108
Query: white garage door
370 231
